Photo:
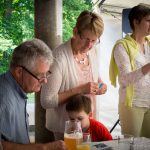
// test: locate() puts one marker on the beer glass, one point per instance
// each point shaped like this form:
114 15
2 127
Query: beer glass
85 145
73 134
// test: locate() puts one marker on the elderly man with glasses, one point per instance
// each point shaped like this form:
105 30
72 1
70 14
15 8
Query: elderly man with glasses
29 70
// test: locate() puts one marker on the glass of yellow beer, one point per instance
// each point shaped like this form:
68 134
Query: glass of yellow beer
85 145
73 134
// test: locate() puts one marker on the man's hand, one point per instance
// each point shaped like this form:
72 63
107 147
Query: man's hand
57 145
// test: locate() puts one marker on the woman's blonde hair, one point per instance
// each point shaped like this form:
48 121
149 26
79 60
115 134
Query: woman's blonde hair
91 21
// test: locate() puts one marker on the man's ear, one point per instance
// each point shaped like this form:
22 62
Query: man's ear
18 72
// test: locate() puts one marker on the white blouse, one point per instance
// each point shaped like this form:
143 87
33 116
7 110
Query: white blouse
127 77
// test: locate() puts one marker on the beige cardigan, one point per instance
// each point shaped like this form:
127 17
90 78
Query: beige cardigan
63 77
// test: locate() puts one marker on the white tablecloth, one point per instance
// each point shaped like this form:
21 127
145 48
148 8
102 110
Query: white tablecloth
139 143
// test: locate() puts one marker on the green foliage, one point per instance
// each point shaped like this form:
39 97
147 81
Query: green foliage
71 10
31 97
16 20
4 60
6 48
16 25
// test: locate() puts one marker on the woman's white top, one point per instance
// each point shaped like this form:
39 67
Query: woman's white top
127 77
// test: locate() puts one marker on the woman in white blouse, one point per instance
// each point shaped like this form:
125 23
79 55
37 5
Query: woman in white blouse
130 61
74 71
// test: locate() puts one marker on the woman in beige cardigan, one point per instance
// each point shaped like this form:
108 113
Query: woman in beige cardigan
74 71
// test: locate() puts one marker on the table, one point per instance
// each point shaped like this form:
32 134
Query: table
138 143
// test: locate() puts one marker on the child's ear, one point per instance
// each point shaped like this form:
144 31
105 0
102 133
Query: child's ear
90 114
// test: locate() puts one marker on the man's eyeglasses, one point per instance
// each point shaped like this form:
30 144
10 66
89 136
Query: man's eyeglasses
97 41
36 77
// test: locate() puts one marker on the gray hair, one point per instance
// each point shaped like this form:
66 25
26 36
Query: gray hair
28 52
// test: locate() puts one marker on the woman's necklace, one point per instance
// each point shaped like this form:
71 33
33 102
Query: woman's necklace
82 60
